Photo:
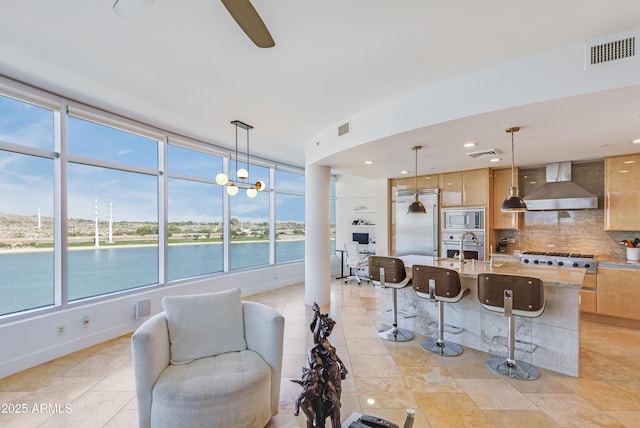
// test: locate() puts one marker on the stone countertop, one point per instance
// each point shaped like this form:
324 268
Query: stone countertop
618 262
551 276
615 262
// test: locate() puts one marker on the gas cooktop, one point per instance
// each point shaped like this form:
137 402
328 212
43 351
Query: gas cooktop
559 259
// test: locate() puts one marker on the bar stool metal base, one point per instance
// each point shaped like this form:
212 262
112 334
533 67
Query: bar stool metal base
515 370
444 348
395 334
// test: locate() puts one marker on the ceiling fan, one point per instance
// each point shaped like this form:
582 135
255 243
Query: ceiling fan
242 11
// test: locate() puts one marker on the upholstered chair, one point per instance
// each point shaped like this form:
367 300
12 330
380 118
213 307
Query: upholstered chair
208 360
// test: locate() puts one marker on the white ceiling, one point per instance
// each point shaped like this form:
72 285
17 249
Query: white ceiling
185 65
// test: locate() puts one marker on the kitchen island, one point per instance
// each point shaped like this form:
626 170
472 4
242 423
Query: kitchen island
555 333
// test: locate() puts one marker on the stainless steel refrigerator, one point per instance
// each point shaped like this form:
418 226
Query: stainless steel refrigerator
417 233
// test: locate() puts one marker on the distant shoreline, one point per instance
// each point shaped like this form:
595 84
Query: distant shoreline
19 250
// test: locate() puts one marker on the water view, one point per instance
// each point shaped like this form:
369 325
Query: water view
27 277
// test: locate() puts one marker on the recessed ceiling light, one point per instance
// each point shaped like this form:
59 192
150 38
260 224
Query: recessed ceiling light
369 162
469 144
636 141
404 172
630 161
623 171
495 160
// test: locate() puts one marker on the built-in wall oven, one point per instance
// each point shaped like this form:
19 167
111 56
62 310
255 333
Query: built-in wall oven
466 224
473 249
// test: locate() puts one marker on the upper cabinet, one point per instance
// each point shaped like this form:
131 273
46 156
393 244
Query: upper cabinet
409 183
451 185
622 192
500 186
465 188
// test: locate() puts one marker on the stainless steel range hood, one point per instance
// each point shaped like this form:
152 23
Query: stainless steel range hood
559 192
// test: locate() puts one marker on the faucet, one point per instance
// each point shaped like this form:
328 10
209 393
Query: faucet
461 253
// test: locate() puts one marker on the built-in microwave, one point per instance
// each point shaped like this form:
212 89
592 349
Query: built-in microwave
463 219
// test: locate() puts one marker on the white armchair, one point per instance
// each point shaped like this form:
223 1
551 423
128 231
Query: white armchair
208 360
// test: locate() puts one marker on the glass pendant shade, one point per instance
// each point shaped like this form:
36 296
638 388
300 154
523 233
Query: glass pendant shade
251 192
222 179
259 185
242 174
232 189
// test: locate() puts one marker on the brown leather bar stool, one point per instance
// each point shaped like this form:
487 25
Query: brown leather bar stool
511 295
389 272
443 286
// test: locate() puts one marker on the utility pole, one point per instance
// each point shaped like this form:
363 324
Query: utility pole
97 236
110 223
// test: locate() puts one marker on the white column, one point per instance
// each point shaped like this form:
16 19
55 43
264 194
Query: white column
317 207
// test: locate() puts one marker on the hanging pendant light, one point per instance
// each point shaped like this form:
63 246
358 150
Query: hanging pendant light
242 174
514 203
416 206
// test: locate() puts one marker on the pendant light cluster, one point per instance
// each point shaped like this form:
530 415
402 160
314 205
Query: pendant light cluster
514 203
416 206
233 186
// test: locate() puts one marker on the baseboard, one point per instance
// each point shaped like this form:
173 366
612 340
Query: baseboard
605 319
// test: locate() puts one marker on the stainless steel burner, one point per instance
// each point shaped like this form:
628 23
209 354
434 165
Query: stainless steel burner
560 259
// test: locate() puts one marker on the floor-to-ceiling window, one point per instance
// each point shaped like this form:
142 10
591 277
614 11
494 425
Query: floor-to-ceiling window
290 226
112 209
26 206
249 222
195 212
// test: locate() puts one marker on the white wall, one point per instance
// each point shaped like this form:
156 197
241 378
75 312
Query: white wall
352 191
32 341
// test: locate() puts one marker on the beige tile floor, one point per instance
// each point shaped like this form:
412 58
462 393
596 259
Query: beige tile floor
384 378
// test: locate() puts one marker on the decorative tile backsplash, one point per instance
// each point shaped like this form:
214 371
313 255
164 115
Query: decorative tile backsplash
568 230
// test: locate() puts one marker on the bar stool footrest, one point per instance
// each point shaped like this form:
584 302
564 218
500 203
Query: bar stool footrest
404 314
527 347
448 328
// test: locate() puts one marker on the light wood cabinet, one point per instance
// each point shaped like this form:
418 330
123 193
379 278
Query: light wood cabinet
619 292
588 299
500 186
409 183
622 193
451 186
475 187
465 188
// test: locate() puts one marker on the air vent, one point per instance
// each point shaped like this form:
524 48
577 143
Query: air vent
481 153
343 129
603 52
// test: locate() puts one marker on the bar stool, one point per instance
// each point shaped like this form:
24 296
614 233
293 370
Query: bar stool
511 295
389 272
439 285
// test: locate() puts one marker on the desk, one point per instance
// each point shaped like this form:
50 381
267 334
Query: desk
342 275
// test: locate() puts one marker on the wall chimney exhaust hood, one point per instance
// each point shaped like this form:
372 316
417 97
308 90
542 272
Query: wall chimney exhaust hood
559 192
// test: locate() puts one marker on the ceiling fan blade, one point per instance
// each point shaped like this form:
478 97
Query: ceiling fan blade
130 8
248 19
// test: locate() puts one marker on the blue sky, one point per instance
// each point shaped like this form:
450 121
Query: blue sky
26 181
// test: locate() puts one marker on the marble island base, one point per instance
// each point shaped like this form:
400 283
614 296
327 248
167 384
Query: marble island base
550 341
